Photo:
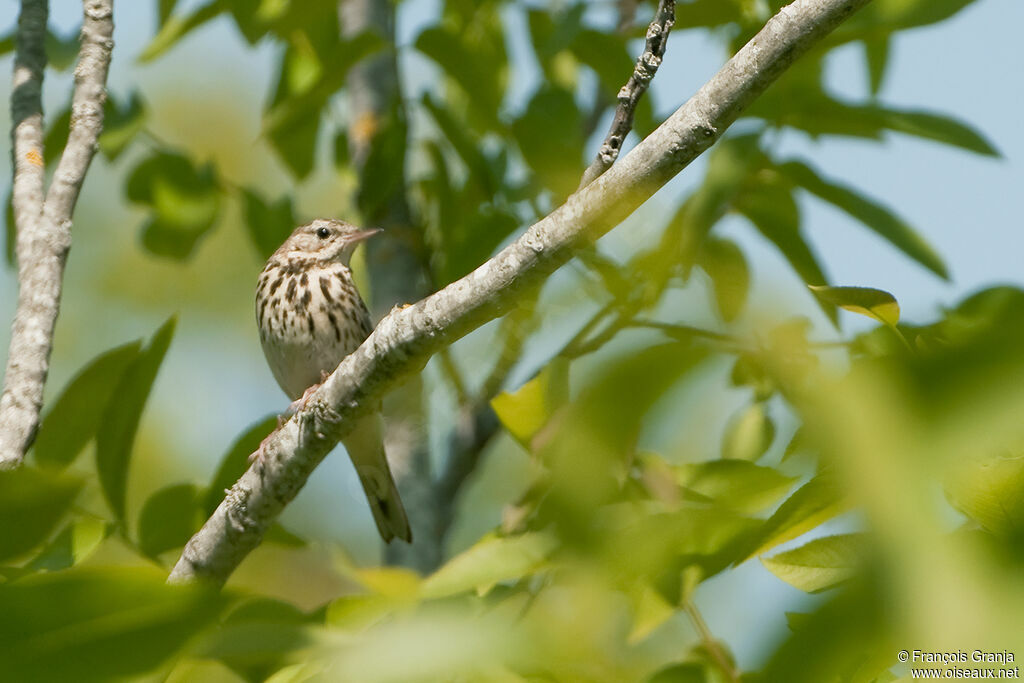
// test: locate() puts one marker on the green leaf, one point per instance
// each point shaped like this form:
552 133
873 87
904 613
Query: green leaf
56 138
61 53
729 167
469 242
549 134
175 28
874 303
268 224
773 211
688 672
236 461
990 491
185 202
605 53
97 625
169 518
734 484
116 434
526 410
491 560
876 57
121 124
381 177
748 435
873 215
724 263
466 145
32 503
819 565
74 417
937 127
475 60
72 545
817 501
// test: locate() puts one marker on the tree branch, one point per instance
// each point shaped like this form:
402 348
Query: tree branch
407 337
44 226
629 96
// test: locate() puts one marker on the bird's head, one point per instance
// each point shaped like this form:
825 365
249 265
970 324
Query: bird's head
327 240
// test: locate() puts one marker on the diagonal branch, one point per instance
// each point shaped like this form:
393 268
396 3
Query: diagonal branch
44 226
407 337
629 96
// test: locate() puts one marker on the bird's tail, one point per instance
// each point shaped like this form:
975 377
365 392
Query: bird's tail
365 447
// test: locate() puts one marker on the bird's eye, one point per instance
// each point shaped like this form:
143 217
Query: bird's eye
323 233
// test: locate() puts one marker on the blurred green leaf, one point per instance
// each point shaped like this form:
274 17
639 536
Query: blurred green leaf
116 434
874 303
990 491
873 215
56 138
707 13
474 59
734 484
730 164
817 501
724 263
97 625
491 560
773 211
165 8
268 224
305 84
121 123
605 53
525 411
169 518
876 57
549 134
819 565
32 503
936 127
884 17
74 417
72 545
689 672
466 145
174 28
800 104
61 52
469 242
749 434
184 201
381 180
849 638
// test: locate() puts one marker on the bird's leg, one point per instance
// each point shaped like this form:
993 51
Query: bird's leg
294 407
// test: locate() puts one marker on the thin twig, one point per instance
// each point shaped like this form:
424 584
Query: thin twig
710 643
406 338
629 96
44 226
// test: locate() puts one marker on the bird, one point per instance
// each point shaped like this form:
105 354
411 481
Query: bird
310 316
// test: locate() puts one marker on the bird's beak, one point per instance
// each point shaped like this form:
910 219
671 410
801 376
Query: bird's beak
361 235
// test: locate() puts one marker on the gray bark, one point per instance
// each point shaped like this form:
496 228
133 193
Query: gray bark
44 224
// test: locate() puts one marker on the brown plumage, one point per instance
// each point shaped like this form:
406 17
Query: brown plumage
310 317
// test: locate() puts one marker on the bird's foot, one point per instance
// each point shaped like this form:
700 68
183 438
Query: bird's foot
300 403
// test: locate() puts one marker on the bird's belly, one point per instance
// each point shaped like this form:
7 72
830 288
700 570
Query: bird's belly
299 361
